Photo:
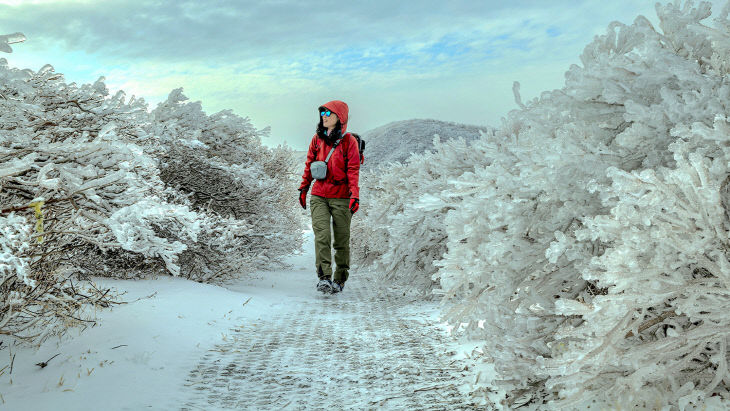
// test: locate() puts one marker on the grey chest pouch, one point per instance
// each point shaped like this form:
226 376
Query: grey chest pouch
319 168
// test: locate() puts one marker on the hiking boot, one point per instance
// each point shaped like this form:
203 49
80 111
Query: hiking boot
337 287
324 285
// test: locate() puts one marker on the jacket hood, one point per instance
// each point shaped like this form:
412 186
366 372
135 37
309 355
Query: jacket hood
341 109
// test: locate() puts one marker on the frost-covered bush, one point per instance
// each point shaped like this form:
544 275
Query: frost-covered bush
79 155
588 246
219 165
405 201
70 159
401 183
85 172
34 304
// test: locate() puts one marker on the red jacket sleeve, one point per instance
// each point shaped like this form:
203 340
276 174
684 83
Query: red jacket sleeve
307 176
353 167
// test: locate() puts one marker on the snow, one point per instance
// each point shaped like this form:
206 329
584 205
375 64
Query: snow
157 338
166 326
159 350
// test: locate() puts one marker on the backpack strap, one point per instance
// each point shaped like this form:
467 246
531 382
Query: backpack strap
334 146
344 152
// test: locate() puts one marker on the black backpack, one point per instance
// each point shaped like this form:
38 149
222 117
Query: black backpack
360 145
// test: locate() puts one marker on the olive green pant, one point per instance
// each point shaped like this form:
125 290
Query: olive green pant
336 211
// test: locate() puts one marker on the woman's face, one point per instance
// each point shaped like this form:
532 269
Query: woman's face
329 122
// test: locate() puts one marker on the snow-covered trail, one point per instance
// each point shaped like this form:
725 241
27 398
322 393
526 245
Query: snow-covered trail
267 341
362 349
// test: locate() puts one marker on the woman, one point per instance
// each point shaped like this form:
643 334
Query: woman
335 198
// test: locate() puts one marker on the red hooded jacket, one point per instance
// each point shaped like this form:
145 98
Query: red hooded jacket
343 168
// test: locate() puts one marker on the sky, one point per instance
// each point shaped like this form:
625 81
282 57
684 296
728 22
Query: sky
277 61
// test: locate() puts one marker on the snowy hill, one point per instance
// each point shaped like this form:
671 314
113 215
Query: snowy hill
396 141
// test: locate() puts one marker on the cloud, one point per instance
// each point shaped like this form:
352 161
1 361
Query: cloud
382 34
272 60
16 3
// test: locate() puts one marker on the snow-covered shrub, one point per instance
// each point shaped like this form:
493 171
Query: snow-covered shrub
590 255
405 201
70 158
77 153
82 169
36 304
138 227
219 165
662 320
14 269
588 246
400 185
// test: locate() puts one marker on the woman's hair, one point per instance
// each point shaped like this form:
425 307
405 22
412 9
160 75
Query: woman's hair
322 131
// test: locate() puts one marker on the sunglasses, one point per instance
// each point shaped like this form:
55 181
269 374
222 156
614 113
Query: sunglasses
325 113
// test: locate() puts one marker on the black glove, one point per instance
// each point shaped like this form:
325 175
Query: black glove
303 198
